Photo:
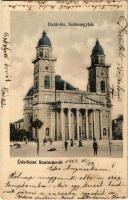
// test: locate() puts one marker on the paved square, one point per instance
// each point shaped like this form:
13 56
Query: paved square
30 149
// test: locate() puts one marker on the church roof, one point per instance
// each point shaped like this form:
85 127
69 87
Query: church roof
61 84
97 50
30 92
44 40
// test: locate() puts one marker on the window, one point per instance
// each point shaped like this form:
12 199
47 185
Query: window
101 59
102 85
46 67
36 83
46 53
41 53
47 132
47 82
104 132
36 69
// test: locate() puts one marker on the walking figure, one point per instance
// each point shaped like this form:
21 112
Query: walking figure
66 145
71 142
80 142
26 140
95 146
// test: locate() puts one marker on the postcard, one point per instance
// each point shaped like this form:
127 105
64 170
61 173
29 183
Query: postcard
64 100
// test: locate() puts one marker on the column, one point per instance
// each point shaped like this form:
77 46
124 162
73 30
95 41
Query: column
86 114
51 132
78 123
52 125
69 123
94 124
101 125
58 125
62 124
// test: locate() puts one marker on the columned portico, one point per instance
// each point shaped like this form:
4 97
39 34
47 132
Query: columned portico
80 123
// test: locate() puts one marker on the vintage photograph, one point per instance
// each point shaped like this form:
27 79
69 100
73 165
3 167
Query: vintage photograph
67 84
64 100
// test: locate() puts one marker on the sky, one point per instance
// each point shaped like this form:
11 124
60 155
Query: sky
71 45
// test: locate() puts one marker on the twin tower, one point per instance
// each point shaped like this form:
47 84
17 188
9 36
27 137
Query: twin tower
44 72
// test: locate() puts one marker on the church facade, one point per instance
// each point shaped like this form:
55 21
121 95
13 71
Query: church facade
68 112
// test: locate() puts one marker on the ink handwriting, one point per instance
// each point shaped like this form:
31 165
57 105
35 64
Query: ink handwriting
6 63
66 5
74 179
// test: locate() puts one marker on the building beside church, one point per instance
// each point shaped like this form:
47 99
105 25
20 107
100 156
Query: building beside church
68 112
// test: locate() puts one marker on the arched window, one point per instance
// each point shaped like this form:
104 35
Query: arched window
36 83
47 82
102 85
41 52
46 53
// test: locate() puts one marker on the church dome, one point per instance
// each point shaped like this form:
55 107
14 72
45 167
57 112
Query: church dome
97 50
44 40
59 83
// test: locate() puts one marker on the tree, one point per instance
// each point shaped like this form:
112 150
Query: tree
37 124
12 131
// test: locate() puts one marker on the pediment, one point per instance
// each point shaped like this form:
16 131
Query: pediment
87 99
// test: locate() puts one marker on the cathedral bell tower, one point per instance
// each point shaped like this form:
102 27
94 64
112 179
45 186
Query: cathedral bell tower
44 85
98 71
44 69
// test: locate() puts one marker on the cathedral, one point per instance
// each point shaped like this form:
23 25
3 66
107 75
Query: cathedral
68 112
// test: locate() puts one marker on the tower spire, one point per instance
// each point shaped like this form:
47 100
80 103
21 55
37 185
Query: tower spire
97 41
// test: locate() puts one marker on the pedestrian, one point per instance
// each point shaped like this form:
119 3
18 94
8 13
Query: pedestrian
26 140
80 142
66 145
95 146
71 142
